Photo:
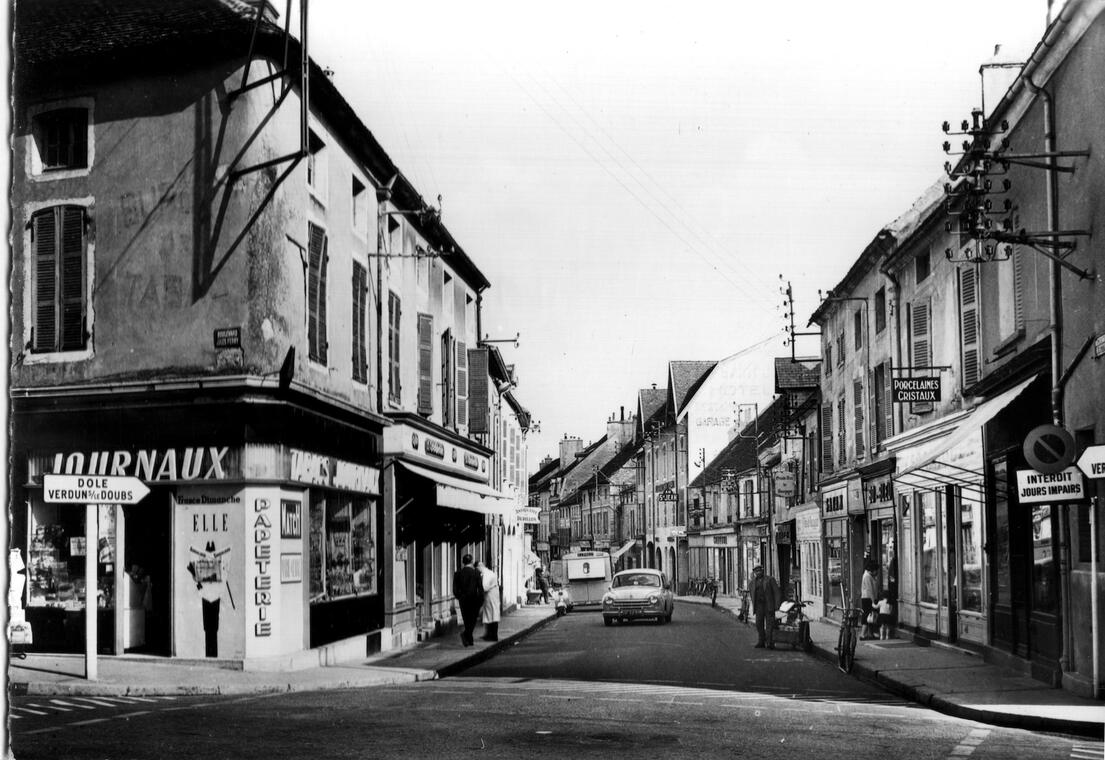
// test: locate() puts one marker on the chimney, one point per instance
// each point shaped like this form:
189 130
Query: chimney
569 447
998 74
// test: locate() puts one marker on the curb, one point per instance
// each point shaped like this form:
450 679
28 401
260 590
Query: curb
934 701
485 654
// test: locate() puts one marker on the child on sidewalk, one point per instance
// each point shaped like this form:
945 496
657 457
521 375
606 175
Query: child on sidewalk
886 616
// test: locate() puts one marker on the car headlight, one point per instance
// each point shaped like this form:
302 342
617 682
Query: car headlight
607 601
653 599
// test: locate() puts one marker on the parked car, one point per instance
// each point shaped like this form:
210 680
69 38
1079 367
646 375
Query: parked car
638 593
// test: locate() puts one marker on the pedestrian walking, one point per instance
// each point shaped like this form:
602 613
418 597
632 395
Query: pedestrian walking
543 586
869 592
766 598
491 611
885 611
468 590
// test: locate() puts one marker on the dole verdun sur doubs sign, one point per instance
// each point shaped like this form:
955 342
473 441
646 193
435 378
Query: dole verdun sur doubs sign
911 390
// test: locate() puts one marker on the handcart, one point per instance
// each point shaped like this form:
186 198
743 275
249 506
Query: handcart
792 626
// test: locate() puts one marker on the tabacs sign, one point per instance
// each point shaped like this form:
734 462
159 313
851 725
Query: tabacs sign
912 390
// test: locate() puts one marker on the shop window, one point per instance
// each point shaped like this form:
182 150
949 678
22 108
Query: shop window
59 277
970 538
55 585
1045 591
342 546
925 502
835 562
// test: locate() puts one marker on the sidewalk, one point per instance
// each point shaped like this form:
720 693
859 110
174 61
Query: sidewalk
944 678
955 681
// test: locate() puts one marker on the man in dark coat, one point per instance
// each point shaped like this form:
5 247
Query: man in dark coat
766 598
468 589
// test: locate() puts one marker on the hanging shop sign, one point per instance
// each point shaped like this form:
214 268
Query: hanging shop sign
92 489
784 533
786 484
529 514
912 390
667 495
1035 487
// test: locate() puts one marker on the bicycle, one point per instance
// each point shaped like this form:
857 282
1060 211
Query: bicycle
846 642
745 603
710 590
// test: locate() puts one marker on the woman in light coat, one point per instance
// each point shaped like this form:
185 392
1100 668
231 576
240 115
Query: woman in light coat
492 607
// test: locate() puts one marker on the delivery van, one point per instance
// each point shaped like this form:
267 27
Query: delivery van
587 575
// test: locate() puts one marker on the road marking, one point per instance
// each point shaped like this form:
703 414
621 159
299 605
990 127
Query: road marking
43 730
133 714
968 744
34 712
99 702
143 699
124 700
71 704
89 722
1087 751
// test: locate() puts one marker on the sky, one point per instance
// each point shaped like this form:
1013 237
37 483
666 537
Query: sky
637 180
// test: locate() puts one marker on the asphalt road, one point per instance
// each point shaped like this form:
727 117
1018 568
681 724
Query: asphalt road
575 688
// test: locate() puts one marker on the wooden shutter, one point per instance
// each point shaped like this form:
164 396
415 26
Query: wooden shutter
462 383
394 314
448 393
858 399
360 350
841 438
968 325
921 342
316 294
44 232
59 277
425 364
479 420
1018 289
888 395
826 437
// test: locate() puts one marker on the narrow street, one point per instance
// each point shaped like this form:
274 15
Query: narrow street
695 687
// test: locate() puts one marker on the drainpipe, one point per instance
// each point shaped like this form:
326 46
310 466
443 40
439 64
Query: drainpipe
1056 315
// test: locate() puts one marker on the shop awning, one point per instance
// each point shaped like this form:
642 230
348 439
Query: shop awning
463 494
624 548
916 460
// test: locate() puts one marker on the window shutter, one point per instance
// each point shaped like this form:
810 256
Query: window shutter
462 383
44 231
324 264
425 364
448 396
360 350
888 394
874 423
968 325
1018 288
920 333
72 278
478 392
841 438
394 313
315 253
858 397
826 437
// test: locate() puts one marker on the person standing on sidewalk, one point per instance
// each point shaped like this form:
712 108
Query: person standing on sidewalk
869 592
765 600
491 611
468 590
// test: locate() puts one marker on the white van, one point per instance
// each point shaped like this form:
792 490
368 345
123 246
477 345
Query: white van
587 575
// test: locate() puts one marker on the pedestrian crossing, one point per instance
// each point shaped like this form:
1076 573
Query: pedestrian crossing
1087 751
73 705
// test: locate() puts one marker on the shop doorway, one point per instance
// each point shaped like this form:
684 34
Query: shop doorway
147 553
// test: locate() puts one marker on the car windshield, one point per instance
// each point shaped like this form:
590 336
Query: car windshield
637 579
